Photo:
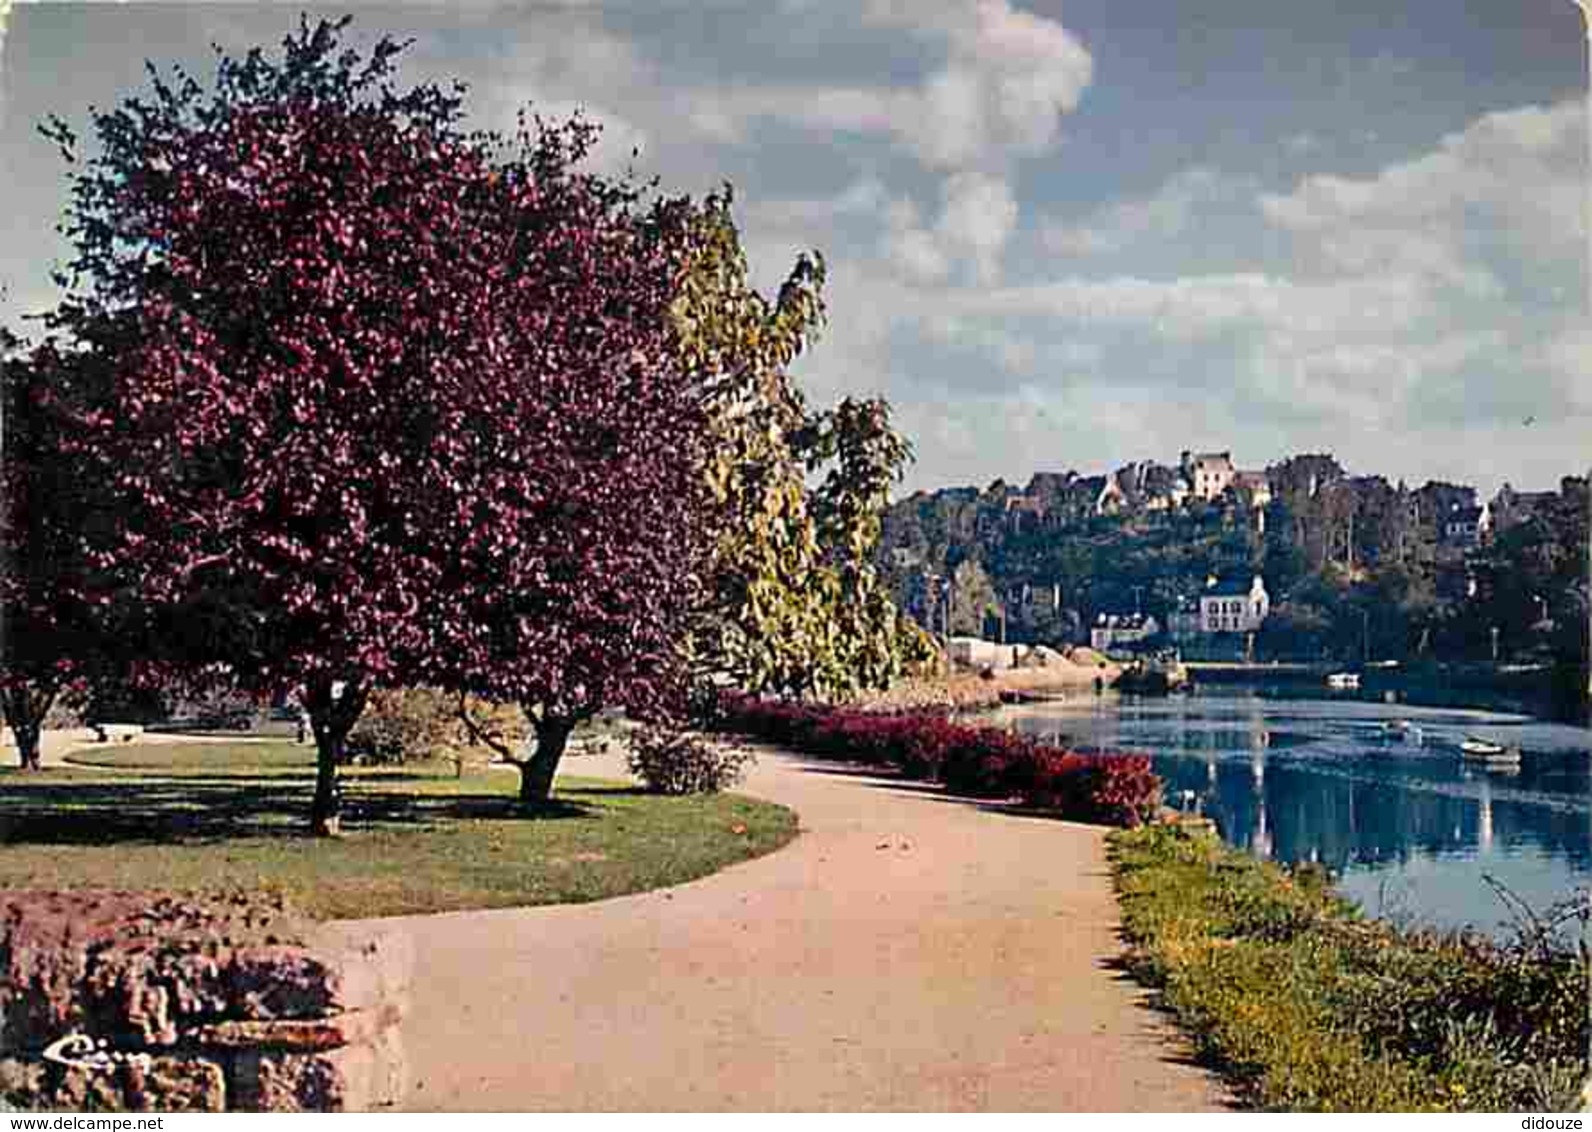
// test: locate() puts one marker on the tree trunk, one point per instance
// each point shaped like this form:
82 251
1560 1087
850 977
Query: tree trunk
27 737
24 713
536 772
332 717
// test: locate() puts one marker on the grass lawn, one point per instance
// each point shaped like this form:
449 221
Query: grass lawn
227 815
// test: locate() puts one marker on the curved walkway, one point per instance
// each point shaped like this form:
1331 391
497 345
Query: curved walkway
906 952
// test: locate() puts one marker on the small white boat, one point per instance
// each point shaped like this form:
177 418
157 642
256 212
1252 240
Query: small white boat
1489 754
1342 681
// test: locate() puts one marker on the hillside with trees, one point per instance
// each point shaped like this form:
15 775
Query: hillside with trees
1356 566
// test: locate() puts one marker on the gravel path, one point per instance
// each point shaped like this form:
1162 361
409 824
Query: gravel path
906 952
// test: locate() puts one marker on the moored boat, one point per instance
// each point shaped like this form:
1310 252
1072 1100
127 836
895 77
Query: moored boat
1343 681
1493 756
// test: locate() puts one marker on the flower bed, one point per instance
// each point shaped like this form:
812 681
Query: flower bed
982 762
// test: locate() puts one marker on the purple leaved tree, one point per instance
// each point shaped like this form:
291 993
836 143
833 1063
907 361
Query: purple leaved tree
58 599
299 277
572 576
394 407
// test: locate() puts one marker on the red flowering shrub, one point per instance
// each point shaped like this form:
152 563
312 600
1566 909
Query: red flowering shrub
1129 792
1064 782
981 762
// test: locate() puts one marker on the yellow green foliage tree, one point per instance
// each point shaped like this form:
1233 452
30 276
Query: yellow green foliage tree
795 604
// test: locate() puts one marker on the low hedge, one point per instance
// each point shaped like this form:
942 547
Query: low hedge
1307 1006
981 762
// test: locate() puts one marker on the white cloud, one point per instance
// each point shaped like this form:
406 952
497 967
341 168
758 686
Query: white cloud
1165 213
1518 173
1197 307
977 218
1007 79
865 198
913 252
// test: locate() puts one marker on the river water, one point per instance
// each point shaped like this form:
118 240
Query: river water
1411 830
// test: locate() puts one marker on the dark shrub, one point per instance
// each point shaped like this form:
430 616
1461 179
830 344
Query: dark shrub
680 762
402 725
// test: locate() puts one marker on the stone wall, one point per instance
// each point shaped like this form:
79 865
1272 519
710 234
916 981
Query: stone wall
201 1005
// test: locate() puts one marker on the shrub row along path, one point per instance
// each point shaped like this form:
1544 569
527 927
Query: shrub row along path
906 952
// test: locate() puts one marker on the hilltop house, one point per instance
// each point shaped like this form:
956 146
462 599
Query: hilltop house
1208 473
1510 507
1467 527
1024 512
1232 607
1254 488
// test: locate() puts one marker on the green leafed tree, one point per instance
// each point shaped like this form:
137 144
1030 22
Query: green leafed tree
973 597
794 603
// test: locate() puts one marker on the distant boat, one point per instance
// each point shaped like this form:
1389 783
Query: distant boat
1396 726
1342 681
1156 676
1494 756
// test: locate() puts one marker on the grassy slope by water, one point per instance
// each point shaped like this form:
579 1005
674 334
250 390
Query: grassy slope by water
1307 1006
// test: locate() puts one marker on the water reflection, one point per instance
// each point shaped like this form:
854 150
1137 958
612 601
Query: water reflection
1378 793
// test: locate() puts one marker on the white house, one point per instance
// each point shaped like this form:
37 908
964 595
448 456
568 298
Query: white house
1230 607
1112 630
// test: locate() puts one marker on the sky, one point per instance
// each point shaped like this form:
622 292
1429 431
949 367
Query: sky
1060 234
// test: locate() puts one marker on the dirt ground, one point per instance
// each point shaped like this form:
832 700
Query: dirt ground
907 952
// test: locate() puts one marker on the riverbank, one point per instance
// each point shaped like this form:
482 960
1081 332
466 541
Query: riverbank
1553 692
1305 1006
1071 675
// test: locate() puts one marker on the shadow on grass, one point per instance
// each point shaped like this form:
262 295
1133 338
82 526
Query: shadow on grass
195 809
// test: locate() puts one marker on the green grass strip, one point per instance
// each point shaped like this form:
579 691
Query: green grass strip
419 839
1306 1006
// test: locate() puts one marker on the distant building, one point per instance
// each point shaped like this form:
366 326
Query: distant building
1511 508
1148 486
1233 607
1208 473
1024 512
1112 500
1254 488
1113 630
975 652
1467 526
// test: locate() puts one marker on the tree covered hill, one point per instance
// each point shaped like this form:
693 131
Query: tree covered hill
1356 566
